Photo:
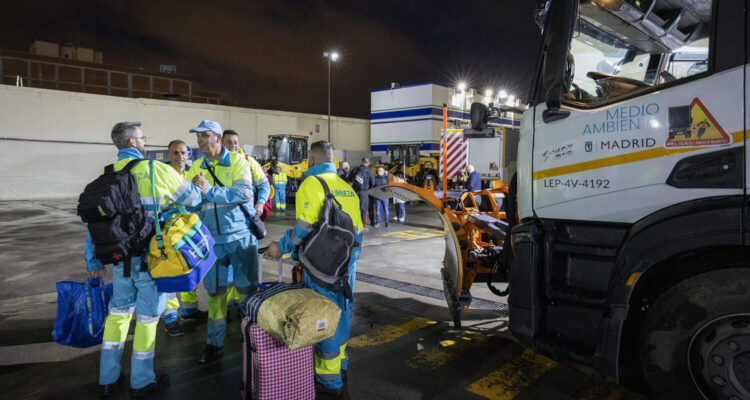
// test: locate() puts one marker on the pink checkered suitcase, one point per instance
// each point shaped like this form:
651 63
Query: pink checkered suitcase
273 372
270 371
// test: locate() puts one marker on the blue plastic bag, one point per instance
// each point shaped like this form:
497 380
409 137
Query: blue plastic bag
81 311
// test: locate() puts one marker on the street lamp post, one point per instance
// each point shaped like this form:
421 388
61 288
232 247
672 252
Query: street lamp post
331 56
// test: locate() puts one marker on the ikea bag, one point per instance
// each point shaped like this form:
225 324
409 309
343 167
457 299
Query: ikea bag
181 254
82 308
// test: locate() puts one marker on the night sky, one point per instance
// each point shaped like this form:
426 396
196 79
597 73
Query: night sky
269 54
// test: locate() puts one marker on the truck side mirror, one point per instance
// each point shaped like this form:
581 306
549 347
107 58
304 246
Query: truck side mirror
480 114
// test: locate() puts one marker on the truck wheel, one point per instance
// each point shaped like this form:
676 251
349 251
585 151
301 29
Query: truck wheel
695 339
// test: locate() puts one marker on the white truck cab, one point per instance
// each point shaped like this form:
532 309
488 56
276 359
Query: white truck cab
630 253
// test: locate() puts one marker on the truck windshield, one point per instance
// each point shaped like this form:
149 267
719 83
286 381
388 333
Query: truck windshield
279 148
611 62
397 154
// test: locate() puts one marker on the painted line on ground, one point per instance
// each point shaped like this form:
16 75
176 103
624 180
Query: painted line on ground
390 332
508 381
436 356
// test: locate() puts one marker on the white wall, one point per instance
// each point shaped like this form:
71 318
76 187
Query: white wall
31 168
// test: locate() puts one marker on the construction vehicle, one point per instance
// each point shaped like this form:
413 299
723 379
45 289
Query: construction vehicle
406 161
290 153
629 232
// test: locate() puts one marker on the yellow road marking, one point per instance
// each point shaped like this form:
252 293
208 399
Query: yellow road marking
406 234
622 159
434 357
390 332
608 391
506 382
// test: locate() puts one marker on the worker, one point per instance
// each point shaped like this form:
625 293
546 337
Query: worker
331 361
462 179
136 291
343 172
177 155
279 185
381 205
362 179
225 180
475 183
231 140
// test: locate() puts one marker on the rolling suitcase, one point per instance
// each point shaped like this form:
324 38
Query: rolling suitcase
270 371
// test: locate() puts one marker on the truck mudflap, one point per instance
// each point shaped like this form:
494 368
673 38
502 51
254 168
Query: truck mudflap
523 303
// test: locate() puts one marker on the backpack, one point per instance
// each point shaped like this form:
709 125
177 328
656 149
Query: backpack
326 251
358 182
111 206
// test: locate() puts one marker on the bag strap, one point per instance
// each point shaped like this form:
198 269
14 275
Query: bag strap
243 207
327 192
213 175
111 167
157 225
89 306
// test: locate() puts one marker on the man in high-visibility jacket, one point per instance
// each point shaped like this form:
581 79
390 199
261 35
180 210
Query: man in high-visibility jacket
225 180
136 292
177 155
279 185
231 140
330 355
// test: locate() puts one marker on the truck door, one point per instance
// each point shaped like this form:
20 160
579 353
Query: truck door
654 120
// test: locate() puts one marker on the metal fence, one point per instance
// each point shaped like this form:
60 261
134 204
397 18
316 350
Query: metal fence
86 79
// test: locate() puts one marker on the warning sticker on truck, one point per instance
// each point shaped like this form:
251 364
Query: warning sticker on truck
693 125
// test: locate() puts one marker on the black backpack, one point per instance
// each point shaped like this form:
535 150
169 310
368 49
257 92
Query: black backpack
326 251
360 177
111 206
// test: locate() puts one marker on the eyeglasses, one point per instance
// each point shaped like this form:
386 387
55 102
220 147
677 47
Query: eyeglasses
144 138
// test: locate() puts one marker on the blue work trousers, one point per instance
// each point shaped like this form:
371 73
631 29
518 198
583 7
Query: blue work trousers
330 348
279 196
242 255
134 293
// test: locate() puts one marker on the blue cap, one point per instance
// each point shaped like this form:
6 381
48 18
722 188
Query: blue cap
208 125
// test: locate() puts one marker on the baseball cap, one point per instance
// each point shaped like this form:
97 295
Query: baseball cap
208 125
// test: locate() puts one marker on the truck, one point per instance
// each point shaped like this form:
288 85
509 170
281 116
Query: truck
629 209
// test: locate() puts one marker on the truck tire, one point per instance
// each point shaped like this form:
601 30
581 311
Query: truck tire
695 339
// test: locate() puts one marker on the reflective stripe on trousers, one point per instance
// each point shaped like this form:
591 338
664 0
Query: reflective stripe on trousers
328 366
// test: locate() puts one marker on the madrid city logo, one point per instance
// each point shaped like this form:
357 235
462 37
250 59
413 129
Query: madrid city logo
589 146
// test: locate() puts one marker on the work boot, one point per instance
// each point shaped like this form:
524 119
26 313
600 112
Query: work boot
174 329
320 389
211 353
107 390
197 314
160 382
